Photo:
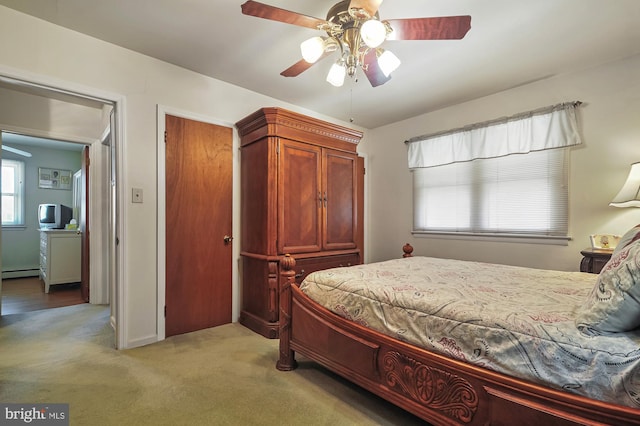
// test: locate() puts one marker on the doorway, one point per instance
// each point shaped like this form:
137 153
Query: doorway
103 199
33 279
22 295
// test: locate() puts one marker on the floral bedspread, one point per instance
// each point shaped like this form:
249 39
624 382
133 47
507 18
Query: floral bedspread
513 320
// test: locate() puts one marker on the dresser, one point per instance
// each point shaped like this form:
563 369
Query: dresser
60 257
302 186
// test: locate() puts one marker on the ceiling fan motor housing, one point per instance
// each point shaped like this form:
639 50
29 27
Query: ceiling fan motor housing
344 26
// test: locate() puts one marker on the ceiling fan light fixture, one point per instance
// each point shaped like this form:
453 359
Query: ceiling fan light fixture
312 49
337 74
373 33
387 61
354 27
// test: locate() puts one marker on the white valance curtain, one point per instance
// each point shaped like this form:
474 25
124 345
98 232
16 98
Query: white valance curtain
551 127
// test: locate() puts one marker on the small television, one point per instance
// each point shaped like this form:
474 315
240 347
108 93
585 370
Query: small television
54 216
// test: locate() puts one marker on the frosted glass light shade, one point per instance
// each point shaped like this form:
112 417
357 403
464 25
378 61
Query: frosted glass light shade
312 49
373 33
629 195
388 62
336 74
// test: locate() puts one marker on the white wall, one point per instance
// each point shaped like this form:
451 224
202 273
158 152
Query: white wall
610 126
31 47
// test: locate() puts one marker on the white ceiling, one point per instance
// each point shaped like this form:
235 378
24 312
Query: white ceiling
510 43
25 141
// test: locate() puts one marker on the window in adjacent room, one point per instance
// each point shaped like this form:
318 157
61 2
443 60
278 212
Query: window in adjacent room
506 178
13 198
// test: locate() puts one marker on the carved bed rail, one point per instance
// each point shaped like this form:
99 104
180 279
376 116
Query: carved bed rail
438 389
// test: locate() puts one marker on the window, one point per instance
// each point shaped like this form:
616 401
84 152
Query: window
507 177
516 194
12 193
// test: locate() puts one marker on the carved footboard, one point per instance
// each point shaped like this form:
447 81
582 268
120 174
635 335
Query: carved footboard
438 389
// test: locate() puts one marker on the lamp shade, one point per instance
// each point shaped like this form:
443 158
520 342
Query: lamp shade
373 33
337 74
388 62
629 195
312 49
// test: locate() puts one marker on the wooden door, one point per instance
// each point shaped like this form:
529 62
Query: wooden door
340 201
83 225
299 198
198 218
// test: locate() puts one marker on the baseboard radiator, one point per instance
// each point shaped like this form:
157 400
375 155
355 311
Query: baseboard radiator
20 273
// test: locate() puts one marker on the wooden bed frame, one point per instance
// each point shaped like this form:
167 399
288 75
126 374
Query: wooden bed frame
438 389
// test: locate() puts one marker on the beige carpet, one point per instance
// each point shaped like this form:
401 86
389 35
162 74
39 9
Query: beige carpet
220 376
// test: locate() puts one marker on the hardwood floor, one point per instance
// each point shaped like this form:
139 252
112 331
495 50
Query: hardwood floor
27 294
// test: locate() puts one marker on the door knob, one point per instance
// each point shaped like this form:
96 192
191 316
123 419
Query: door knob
227 239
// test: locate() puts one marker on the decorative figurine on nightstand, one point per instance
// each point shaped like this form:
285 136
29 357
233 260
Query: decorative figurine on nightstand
604 241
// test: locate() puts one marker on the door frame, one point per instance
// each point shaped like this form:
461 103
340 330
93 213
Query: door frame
162 112
59 89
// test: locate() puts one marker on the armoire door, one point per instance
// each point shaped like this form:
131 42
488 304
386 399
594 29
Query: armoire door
198 224
340 200
299 198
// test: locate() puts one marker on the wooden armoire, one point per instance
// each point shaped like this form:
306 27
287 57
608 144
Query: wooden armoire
302 193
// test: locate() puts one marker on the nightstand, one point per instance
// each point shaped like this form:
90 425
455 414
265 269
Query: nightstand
594 260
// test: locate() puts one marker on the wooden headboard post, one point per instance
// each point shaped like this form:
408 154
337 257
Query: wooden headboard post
407 249
287 361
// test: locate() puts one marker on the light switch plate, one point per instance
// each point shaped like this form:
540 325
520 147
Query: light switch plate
136 195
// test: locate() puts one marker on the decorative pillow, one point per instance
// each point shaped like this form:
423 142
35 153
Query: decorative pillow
630 236
613 305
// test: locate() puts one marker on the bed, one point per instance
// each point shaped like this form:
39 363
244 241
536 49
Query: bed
570 355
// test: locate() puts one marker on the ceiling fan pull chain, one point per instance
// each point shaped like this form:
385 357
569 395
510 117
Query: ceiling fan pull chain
351 105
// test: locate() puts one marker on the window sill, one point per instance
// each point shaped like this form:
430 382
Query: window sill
501 238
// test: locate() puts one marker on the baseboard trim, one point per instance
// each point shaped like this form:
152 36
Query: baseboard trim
20 273
142 341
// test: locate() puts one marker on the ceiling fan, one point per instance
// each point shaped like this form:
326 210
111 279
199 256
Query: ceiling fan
354 28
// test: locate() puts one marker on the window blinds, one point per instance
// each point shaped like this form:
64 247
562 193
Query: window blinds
523 194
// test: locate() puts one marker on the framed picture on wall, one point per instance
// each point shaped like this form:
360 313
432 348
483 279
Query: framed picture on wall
54 178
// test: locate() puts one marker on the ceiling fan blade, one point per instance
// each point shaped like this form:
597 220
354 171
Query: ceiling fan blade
16 151
442 28
296 69
301 66
261 10
372 69
371 6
